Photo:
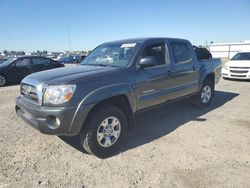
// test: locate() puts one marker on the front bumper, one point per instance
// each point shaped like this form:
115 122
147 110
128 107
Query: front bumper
71 118
240 74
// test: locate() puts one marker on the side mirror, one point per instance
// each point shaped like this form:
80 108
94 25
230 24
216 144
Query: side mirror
13 65
148 62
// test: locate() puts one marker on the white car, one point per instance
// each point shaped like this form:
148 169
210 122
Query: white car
238 67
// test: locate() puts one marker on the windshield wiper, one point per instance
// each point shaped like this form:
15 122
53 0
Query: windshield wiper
102 65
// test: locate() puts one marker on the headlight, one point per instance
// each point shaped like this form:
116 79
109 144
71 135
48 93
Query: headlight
58 94
225 67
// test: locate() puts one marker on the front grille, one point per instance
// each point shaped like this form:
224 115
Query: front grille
240 67
239 71
29 92
239 76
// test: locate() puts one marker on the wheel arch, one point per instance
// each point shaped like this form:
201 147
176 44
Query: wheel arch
121 101
210 76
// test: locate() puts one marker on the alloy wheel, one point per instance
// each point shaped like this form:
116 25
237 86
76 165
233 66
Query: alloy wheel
206 94
108 131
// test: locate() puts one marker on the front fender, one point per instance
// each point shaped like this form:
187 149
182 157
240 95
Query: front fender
108 91
98 95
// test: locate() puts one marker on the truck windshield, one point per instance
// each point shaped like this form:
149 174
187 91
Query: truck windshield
242 56
114 54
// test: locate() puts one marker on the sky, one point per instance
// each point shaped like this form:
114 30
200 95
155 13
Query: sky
58 25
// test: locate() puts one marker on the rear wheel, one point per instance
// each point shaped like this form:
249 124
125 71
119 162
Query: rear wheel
206 94
3 80
104 131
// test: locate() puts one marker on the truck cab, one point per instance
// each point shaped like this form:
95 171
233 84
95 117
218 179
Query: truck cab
175 73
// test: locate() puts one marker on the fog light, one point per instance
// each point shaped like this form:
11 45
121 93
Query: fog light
53 122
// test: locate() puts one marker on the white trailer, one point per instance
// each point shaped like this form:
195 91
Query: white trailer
228 50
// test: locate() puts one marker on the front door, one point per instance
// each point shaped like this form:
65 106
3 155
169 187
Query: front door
154 84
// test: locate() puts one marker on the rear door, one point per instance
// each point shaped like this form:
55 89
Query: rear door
40 64
186 70
154 84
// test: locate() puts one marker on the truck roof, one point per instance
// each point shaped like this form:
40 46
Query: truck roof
142 40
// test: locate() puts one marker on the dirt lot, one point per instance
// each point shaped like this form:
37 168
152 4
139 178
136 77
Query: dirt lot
178 145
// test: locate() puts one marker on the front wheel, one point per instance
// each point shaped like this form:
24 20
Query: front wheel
206 94
3 80
104 131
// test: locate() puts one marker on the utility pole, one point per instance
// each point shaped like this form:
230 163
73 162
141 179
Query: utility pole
69 41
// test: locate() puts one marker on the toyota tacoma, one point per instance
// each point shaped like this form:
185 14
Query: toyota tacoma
98 99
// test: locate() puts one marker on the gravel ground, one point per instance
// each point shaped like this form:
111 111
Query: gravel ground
178 145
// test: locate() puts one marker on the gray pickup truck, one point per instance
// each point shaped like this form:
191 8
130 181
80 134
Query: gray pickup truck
98 99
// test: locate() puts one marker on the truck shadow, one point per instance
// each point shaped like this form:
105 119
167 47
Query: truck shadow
160 121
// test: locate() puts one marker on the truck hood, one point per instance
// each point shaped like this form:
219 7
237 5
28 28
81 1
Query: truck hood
66 75
237 63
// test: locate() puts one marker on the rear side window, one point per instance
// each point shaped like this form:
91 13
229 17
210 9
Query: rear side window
40 61
181 52
22 62
156 50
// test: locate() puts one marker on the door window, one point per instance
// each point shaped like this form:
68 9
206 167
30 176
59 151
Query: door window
181 52
22 62
40 61
157 51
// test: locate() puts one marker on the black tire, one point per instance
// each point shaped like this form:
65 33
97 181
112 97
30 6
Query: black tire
88 135
3 80
198 98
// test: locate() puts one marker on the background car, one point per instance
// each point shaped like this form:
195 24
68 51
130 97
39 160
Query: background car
15 69
238 67
71 59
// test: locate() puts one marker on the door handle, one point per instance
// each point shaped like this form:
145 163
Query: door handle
169 72
194 68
